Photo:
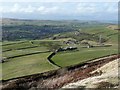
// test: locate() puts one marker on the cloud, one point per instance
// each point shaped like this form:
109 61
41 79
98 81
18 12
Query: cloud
92 8
29 9
45 10
17 8
59 10
85 8
112 8
78 8
59 0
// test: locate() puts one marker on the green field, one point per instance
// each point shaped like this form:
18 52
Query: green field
26 65
26 57
85 54
71 58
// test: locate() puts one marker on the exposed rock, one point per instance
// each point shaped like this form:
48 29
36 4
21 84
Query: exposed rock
104 77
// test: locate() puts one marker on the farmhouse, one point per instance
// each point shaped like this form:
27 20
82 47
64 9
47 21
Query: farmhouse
66 48
71 48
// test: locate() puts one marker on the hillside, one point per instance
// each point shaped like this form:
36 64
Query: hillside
16 29
63 76
108 77
39 51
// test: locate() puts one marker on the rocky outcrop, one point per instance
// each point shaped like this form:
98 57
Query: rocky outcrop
104 77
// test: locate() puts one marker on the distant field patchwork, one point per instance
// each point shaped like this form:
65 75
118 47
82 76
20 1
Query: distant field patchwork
26 57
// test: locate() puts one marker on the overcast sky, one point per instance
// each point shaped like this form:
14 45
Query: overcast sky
60 10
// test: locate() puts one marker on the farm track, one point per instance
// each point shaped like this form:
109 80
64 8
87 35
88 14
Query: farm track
57 78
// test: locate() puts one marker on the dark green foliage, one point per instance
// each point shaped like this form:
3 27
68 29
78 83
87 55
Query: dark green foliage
14 29
32 31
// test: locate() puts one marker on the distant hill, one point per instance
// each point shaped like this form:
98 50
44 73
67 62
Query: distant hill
11 21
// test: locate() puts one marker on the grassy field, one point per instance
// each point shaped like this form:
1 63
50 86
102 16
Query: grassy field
71 58
85 54
110 34
24 51
37 63
26 65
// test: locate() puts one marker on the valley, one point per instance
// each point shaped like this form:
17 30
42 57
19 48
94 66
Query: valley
27 45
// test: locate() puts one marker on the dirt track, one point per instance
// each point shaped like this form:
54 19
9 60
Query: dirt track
58 78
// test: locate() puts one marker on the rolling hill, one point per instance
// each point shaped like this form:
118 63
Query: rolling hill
27 44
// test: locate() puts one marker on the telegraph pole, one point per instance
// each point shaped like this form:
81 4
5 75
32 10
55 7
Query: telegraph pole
100 39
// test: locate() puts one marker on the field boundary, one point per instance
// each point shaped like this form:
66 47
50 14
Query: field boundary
51 61
58 78
13 43
20 48
113 56
25 55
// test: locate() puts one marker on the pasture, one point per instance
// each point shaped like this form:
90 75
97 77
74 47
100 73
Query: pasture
26 57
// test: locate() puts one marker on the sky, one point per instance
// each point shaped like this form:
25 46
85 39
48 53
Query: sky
60 10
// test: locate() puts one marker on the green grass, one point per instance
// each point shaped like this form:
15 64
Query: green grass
37 63
71 58
9 42
17 46
26 65
105 32
24 51
85 54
